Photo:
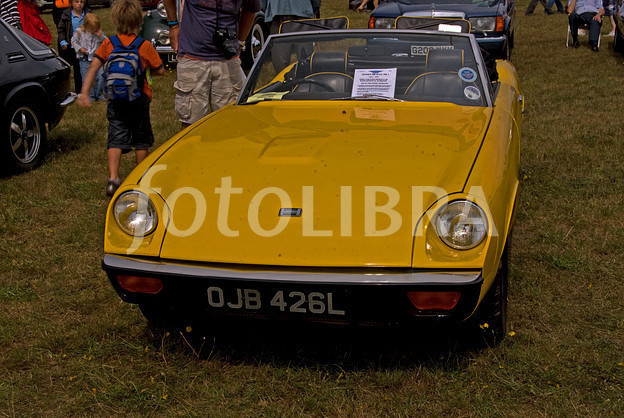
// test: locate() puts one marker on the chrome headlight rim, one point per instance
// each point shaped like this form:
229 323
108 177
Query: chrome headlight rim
122 211
443 226
162 38
477 24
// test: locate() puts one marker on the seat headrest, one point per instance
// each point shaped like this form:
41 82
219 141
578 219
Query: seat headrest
445 59
328 61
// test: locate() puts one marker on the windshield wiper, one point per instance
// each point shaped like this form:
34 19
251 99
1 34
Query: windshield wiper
370 97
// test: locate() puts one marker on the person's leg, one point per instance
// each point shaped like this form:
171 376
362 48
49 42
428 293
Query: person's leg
114 159
192 90
140 155
77 76
547 9
594 31
84 68
118 141
141 128
531 8
98 86
560 8
225 88
574 19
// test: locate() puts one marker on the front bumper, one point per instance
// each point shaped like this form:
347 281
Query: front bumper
167 54
60 109
366 296
495 45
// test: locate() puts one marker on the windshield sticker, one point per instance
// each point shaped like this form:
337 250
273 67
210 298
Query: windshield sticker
423 49
472 93
467 74
375 82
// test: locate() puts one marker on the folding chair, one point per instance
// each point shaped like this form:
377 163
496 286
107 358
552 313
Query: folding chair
582 26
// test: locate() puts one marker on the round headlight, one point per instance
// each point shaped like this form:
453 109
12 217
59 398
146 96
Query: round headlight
135 213
385 23
163 37
482 24
461 224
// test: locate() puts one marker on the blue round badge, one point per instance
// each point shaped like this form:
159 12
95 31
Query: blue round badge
467 74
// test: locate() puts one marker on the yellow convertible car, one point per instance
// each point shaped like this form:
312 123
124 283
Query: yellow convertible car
363 177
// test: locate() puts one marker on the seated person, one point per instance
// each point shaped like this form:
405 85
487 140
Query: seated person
590 13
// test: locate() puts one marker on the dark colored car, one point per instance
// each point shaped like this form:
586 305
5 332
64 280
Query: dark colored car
492 21
34 91
156 31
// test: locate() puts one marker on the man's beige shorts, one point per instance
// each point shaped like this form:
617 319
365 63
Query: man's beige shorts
205 86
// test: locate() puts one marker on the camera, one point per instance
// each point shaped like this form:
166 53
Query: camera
227 38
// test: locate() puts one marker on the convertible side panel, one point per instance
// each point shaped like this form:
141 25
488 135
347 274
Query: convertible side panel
497 168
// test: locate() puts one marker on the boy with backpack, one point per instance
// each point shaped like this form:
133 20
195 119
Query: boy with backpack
127 59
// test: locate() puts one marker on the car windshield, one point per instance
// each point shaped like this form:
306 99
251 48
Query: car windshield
369 65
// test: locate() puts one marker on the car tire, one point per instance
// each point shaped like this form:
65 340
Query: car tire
25 135
254 43
492 321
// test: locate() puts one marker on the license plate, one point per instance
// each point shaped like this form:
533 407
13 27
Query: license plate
277 301
423 49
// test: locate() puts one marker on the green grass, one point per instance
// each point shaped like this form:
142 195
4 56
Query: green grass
69 346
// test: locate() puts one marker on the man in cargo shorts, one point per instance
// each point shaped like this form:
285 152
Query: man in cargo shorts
208 46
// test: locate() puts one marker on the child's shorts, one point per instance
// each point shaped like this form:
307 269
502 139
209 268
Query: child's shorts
129 124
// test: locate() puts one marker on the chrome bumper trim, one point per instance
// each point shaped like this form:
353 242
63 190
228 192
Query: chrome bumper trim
331 276
71 97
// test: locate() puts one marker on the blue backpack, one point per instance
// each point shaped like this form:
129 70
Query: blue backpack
123 71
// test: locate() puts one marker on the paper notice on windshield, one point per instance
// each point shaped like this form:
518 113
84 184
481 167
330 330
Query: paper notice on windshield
377 82
449 28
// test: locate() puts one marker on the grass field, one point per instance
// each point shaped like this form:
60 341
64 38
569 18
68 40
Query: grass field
69 346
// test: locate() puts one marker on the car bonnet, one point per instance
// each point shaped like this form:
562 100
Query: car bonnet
296 183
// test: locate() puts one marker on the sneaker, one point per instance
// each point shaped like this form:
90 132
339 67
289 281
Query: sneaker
594 48
549 12
112 186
